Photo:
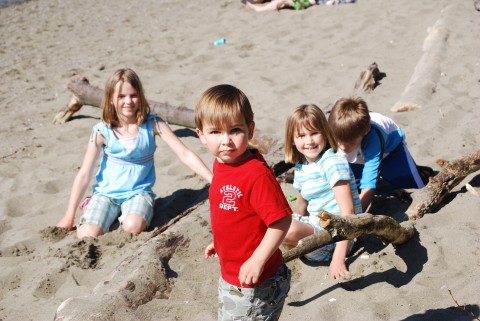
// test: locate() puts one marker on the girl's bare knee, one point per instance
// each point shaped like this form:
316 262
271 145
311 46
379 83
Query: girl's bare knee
134 224
89 230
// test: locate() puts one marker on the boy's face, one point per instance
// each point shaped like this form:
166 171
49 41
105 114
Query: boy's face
350 146
228 144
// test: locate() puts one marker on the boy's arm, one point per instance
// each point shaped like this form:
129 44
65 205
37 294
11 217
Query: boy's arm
251 270
366 197
187 156
343 195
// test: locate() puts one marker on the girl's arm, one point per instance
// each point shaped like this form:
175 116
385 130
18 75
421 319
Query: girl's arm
81 181
343 194
301 205
187 156
251 270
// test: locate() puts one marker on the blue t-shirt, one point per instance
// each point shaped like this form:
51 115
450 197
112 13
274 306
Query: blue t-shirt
370 151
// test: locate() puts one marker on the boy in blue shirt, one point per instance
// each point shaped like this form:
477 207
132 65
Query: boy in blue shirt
374 146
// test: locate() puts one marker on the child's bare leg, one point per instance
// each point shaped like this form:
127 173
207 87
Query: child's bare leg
134 223
297 231
271 6
86 230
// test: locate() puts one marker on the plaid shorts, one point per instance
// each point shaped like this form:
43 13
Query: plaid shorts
323 254
102 210
262 302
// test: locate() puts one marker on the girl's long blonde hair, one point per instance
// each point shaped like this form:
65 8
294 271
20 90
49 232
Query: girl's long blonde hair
312 118
123 75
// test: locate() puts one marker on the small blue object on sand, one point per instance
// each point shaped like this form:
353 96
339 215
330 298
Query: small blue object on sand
220 41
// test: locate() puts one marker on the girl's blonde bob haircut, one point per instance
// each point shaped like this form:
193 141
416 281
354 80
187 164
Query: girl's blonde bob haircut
222 104
110 116
313 119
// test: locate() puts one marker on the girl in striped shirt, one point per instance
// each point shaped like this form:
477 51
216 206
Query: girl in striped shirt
323 180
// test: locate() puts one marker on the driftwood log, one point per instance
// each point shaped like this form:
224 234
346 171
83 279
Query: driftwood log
339 228
423 82
86 94
427 199
138 279
369 79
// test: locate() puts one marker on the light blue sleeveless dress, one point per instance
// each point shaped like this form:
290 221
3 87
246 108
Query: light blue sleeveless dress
123 174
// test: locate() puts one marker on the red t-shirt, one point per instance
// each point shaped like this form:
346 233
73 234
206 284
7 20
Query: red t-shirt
245 198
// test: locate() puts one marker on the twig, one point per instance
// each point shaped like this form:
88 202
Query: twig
463 307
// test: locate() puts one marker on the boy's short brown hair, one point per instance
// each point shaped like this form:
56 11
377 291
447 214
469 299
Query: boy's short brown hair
349 119
222 103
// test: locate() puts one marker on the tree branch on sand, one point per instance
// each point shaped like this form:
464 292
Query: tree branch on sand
424 200
427 199
423 82
86 94
338 228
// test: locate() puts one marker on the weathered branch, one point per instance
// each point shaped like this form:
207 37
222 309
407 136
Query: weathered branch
138 279
425 200
369 79
86 94
338 228
423 82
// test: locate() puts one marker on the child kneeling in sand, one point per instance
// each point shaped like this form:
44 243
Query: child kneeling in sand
124 181
249 213
323 180
375 146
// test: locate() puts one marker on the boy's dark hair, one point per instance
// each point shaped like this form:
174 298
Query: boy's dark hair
349 119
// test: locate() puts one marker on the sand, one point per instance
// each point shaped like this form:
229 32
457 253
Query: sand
280 60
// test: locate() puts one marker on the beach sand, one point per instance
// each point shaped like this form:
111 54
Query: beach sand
280 60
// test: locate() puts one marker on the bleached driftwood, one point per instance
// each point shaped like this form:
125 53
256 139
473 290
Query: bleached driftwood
86 94
339 228
368 79
135 281
423 81
427 199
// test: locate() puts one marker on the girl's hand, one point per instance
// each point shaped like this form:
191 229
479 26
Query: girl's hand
65 223
210 251
338 269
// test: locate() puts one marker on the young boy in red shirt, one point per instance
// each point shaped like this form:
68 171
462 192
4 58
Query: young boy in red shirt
249 213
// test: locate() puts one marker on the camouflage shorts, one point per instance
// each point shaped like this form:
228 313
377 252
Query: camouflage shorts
263 302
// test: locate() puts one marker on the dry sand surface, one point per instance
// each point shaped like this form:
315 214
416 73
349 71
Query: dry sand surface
280 60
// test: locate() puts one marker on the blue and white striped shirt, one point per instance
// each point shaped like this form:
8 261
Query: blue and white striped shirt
315 182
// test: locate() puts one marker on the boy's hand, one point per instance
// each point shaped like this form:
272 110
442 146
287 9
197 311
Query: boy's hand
250 272
210 251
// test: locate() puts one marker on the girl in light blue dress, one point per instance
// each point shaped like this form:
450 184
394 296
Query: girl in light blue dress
124 180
